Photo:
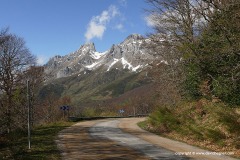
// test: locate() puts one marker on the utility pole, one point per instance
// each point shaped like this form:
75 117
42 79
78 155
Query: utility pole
29 116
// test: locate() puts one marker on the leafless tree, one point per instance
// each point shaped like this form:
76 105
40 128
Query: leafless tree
14 59
35 76
181 19
184 20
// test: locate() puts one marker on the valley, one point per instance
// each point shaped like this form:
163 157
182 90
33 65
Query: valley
94 79
84 74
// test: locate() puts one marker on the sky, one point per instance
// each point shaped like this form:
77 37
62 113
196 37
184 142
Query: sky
59 27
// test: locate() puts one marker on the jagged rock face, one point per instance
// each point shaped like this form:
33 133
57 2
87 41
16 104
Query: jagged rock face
130 54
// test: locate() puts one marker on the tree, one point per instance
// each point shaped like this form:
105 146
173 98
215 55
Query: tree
177 24
218 53
202 37
182 19
14 59
35 76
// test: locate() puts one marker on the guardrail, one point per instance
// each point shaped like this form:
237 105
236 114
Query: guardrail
76 119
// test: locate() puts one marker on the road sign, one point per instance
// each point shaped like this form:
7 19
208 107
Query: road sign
64 108
121 111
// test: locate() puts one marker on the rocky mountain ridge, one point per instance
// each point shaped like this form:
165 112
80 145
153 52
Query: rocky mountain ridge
130 55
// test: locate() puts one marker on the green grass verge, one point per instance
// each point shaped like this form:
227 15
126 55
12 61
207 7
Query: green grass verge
142 124
209 125
43 146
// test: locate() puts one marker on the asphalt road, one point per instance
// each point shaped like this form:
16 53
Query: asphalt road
110 130
123 139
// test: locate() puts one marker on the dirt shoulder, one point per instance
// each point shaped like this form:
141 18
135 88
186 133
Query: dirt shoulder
130 125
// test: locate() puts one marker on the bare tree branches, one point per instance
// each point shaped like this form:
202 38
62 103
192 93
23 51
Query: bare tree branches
179 18
177 24
14 59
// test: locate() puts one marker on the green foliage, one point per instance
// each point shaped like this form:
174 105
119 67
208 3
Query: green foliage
96 112
121 85
215 135
231 120
93 87
54 89
217 57
193 80
142 124
43 144
90 112
164 119
195 131
219 124
227 90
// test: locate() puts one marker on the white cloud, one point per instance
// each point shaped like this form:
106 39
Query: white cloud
123 2
98 24
94 30
119 27
41 59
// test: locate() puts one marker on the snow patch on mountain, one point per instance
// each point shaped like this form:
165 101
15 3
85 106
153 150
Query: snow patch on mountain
92 65
97 55
137 67
129 55
112 64
125 63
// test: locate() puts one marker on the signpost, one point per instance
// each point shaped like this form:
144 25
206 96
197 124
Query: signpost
29 116
121 111
65 108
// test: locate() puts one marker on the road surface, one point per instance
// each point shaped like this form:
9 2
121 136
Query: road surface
123 139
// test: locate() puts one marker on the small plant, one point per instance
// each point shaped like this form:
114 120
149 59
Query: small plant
215 135
164 119
231 121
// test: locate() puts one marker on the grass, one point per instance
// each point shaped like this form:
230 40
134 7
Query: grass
212 126
142 124
43 146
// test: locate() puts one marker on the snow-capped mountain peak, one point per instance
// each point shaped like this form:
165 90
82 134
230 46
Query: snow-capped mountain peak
129 55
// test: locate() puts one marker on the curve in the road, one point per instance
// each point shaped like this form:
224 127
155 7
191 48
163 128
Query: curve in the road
110 130
75 143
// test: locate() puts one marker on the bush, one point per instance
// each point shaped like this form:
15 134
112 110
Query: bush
215 135
216 57
192 81
219 126
164 119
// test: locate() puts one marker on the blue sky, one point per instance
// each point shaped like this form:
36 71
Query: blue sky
58 27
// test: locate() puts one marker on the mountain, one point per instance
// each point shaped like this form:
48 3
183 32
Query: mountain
130 55
90 77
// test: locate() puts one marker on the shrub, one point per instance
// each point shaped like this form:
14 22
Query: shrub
164 120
